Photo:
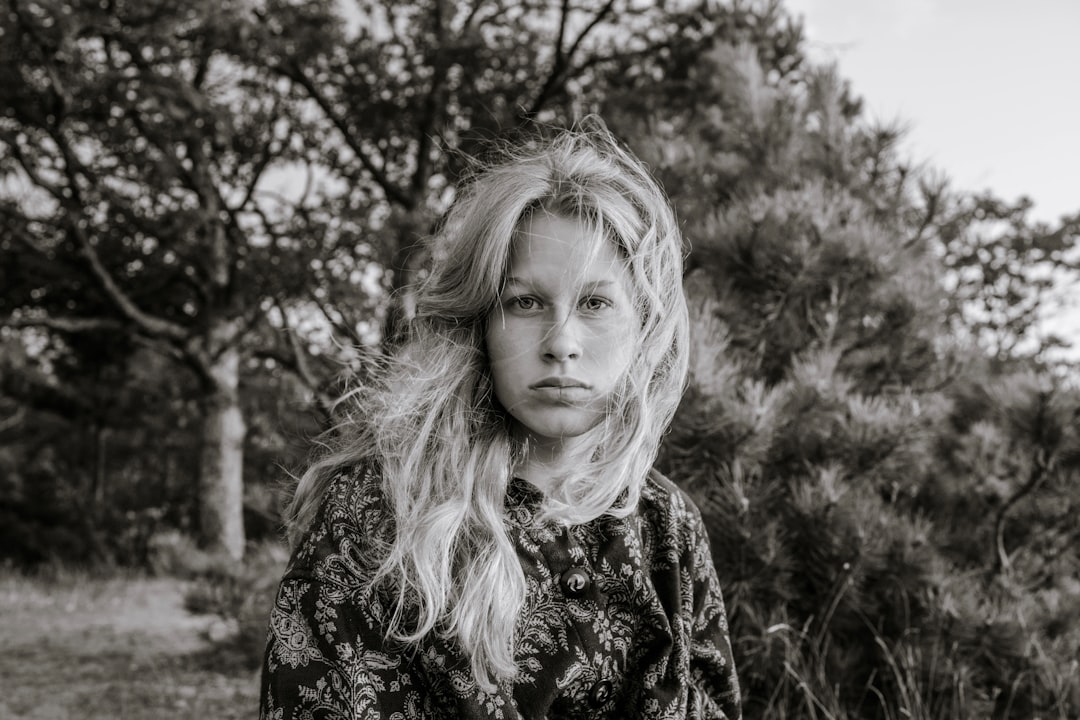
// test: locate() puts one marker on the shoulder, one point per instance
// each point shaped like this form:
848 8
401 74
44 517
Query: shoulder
352 529
660 493
668 508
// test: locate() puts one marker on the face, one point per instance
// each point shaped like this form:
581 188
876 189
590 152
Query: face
563 331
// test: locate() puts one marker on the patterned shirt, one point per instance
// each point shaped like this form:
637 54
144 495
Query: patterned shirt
623 619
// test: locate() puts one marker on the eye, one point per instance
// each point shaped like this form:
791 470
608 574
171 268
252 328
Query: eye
595 303
523 302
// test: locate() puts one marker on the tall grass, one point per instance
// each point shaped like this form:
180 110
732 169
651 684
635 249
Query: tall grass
922 675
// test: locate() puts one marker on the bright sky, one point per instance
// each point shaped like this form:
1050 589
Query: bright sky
988 89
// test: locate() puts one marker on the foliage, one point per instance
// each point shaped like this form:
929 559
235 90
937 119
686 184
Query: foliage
884 454
240 593
238 187
1006 271
826 393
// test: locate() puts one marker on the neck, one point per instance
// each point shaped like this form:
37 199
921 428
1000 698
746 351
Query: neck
550 459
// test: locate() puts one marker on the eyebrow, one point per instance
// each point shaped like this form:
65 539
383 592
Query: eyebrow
593 284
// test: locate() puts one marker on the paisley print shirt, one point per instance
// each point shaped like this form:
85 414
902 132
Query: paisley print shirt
623 619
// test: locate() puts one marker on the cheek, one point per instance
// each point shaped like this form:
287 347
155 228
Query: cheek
505 348
622 353
615 349
626 335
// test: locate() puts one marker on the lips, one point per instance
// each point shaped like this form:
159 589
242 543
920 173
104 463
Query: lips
564 391
560 383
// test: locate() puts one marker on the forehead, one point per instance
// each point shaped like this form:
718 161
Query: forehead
549 246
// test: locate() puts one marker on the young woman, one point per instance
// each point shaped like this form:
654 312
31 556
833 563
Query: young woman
490 540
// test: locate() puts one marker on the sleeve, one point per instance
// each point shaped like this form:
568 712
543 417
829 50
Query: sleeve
326 658
714 685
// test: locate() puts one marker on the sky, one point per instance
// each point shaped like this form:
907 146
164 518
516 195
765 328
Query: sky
989 91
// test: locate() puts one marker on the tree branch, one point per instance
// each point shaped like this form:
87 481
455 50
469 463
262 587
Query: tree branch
475 17
300 362
433 105
1039 470
564 13
73 208
66 324
264 161
392 192
171 351
642 52
340 325
21 234
199 180
32 173
562 66
13 421
472 14
933 198
30 389
149 324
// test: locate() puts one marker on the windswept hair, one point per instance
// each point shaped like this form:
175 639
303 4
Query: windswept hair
434 431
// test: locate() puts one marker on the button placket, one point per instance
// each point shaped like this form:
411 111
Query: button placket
573 576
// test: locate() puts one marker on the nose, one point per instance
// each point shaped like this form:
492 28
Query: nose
562 341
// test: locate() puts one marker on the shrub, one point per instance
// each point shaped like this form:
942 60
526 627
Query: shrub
241 594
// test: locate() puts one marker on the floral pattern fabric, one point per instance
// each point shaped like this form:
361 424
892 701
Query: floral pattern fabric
623 619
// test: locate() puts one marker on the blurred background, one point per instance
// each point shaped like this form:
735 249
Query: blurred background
210 217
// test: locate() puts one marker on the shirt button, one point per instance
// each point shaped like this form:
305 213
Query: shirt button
600 693
575 582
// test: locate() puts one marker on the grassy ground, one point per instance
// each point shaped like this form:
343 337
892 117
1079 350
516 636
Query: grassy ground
75 646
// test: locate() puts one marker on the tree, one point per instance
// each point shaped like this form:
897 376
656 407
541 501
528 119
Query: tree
406 98
132 150
811 398
825 389
1005 269
151 156
237 191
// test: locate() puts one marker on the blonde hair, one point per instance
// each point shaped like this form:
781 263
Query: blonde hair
434 431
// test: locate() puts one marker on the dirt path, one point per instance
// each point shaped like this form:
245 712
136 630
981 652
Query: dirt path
116 648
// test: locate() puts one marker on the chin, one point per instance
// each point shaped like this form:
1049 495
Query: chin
560 428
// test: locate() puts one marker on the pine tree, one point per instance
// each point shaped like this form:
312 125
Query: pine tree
824 388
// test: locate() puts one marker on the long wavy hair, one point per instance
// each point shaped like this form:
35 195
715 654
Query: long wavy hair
431 427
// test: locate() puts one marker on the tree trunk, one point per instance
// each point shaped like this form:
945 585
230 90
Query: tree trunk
221 467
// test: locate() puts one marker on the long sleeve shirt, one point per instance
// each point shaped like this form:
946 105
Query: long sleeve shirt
623 619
